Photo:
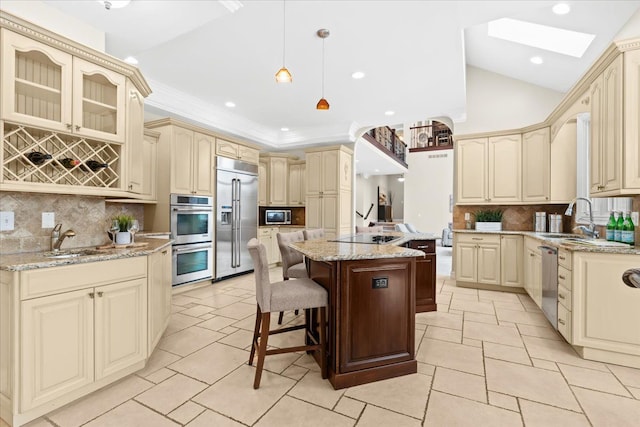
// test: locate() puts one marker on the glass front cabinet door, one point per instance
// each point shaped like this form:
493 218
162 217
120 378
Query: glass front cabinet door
45 87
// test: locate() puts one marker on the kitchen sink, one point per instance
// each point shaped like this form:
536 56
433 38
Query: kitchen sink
558 235
594 242
71 253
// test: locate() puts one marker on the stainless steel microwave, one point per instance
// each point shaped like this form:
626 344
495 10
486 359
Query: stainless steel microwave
277 216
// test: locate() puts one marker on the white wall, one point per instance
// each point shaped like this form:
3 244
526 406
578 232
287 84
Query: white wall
427 186
54 20
496 102
631 28
366 192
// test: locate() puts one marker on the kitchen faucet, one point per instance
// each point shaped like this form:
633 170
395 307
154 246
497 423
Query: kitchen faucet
591 230
57 238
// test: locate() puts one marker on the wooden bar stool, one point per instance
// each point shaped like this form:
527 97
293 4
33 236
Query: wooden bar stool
293 266
279 296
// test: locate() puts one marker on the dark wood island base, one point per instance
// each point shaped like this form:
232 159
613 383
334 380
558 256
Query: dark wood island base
371 319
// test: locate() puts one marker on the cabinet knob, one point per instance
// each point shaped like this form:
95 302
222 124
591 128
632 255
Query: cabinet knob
164 252
77 127
562 258
561 321
68 125
92 295
561 296
531 254
561 277
100 294
130 186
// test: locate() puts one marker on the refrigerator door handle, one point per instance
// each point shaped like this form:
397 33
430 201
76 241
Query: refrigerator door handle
233 223
239 222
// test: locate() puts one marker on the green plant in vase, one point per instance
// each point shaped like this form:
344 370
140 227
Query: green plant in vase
123 237
489 219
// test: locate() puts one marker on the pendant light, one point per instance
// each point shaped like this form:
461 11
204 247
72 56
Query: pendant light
322 104
283 75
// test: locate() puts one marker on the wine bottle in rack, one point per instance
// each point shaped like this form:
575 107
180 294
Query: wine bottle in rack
95 166
38 158
69 163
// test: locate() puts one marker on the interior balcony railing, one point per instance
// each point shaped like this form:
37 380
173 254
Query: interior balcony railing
386 140
436 136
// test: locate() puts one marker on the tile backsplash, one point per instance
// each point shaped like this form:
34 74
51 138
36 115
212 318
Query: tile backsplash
514 218
86 215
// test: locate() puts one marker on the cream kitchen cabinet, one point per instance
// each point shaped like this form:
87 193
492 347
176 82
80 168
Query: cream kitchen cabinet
188 156
615 129
159 298
478 258
297 184
565 295
533 270
141 150
488 170
191 162
74 337
511 260
267 236
273 178
263 183
50 88
329 187
232 150
536 164
604 309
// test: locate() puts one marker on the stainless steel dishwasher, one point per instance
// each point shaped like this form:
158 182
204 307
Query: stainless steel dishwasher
550 283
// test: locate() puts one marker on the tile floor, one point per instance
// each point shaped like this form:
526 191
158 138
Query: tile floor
484 359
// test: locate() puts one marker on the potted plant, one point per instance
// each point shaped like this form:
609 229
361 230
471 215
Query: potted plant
489 220
123 236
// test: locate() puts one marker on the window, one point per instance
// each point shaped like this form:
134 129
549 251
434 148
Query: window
602 206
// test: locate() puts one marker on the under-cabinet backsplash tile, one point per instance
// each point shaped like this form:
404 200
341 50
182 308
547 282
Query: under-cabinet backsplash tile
86 215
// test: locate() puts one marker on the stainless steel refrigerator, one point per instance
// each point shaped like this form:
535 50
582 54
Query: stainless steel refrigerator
236 215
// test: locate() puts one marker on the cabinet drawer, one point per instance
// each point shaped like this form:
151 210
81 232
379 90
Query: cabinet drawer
49 281
477 238
564 258
426 246
264 232
564 323
564 297
564 277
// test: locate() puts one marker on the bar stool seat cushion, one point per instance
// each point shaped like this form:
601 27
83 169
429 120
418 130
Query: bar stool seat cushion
297 271
297 294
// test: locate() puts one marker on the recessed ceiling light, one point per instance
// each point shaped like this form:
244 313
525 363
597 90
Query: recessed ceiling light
561 9
283 129
357 75
536 60
114 4
376 170
389 113
557 40
230 104
131 60
401 178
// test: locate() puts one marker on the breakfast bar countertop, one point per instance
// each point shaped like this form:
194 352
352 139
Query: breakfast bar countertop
331 250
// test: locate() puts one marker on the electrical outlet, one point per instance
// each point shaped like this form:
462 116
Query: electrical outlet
6 221
48 219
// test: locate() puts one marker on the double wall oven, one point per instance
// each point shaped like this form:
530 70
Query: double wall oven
192 231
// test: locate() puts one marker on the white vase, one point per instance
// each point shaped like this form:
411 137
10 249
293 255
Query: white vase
123 238
488 226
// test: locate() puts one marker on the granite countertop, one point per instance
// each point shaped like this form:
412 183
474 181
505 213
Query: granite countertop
33 260
558 242
325 250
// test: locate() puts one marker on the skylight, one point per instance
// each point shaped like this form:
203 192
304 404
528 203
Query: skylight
557 40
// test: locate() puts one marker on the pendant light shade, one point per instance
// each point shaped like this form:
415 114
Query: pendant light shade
283 75
322 104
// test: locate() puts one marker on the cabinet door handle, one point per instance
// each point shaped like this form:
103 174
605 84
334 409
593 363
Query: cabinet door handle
164 252
531 254
561 321
422 247
100 294
77 127
92 295
561 296
68 125
561 257
560 276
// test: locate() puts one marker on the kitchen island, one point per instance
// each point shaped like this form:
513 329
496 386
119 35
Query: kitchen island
372 305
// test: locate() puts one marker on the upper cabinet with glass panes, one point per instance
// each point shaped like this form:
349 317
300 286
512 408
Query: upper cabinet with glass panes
45 87
59 85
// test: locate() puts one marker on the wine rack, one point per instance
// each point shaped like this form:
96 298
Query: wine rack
18 141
